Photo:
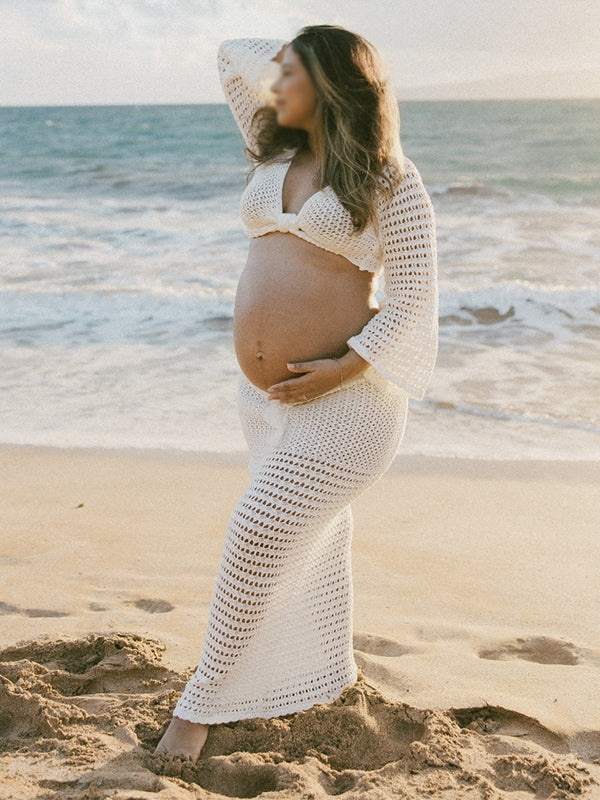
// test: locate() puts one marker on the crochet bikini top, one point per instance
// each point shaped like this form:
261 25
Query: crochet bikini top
401 340
322 220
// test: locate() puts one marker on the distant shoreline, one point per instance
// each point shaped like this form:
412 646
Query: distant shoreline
401 99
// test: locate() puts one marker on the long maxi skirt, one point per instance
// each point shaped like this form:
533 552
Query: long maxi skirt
279 636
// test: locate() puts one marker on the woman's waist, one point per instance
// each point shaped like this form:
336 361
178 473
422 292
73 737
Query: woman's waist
278 248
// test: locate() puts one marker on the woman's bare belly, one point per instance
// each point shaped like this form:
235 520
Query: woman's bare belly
296 302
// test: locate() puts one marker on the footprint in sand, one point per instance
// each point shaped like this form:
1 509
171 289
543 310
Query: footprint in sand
540 649
8 608
497 721
379 646
245 775
153 606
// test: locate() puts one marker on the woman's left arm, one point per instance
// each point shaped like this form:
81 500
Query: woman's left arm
401 340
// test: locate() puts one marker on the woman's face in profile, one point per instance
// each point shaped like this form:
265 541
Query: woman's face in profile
295 93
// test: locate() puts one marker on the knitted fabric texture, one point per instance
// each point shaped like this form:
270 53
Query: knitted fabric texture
322 220
401 340
279 635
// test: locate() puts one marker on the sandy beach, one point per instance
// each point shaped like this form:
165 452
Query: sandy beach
477 631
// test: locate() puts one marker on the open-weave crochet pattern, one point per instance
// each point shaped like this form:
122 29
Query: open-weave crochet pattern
279 635
401 340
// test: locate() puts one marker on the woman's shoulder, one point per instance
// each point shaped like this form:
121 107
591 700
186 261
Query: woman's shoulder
398 169
403 193
400 175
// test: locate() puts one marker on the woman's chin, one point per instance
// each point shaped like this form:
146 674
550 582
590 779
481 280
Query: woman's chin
286 120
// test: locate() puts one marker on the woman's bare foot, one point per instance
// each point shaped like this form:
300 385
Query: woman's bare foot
183 739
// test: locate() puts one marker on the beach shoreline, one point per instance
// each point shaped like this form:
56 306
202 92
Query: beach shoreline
475 581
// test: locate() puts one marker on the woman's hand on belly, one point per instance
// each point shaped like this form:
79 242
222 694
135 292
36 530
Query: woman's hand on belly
316 378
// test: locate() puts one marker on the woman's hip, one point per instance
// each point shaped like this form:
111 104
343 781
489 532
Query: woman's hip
359 425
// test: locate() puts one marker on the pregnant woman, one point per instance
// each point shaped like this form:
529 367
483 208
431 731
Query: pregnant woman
331 204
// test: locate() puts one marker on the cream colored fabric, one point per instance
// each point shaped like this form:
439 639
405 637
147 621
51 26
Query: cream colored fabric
322 220
400 341
279 635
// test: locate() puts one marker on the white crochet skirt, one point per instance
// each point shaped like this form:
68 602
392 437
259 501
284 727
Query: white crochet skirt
279 636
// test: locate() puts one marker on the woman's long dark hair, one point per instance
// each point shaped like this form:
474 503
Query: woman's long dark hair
357 137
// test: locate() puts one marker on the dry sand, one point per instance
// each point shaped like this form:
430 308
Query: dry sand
477 630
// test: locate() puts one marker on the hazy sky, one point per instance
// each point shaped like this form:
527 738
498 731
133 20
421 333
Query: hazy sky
163 51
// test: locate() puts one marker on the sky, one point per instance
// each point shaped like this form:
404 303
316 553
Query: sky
73 52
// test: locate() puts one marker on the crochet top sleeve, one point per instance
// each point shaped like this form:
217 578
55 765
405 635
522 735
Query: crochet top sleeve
401 340
241 64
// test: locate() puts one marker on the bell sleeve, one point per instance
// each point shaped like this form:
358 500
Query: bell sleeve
400 341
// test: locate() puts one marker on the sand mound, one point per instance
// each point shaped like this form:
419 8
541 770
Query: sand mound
79 720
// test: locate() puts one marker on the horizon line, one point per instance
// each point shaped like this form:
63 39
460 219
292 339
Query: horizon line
130 104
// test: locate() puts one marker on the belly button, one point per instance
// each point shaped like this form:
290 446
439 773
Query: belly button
260 355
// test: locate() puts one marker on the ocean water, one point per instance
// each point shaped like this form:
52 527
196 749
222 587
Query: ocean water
120 250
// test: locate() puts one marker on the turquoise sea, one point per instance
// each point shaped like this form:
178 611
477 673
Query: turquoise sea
120 250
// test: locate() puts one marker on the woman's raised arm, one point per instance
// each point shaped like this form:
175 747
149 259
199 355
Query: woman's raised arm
241 64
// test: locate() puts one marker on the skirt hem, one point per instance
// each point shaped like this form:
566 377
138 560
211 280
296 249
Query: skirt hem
282 711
